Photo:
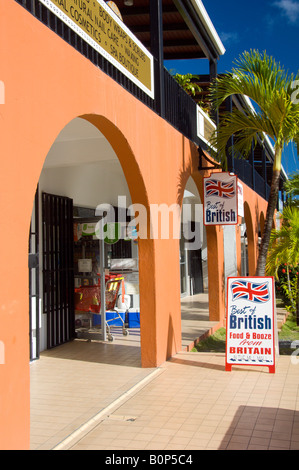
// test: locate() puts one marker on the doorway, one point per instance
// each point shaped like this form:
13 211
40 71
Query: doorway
58 268
34 288
81 172
193 259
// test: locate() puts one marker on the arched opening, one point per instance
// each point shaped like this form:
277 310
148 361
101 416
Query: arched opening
82 171
193 249
244 248
193 266
251 252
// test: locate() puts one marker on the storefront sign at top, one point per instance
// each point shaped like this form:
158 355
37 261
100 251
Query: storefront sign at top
97 24
220 199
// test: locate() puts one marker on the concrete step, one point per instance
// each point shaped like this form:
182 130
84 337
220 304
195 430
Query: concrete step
281 314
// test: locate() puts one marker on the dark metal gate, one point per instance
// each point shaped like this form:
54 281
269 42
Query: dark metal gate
58 268
33 264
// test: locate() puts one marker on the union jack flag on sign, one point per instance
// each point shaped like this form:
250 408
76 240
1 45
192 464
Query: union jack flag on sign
222 189
252 291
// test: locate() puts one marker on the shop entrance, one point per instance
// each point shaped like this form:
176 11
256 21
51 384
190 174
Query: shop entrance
34 288
113 262
193 259
194 270
81 172
58 268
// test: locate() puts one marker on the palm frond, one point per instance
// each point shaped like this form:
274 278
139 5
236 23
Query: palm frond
257 76
284 242
291 186
261 79
244 127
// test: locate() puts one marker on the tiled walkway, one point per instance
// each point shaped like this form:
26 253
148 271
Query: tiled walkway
94 395
194 404
189 403
195 319
73 382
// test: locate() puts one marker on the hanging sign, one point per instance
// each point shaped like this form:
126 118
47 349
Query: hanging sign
220 199
240 200
250 322
103 30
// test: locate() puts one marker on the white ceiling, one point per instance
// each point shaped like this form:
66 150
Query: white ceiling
79 143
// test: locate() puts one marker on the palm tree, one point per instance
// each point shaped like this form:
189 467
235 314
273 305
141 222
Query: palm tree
284 248
274 114
291 188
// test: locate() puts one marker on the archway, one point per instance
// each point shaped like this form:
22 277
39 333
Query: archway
194 276
244 270
193 267
251 240
84 168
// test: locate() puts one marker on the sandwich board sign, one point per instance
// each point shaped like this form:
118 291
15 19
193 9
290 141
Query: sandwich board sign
220 199
250 322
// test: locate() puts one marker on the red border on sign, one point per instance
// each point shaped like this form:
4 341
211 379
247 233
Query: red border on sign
228 366
207 177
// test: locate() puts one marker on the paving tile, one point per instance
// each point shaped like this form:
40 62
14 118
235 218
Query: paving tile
189 402
257 447
279 443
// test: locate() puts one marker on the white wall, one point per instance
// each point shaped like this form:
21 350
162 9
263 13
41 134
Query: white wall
87 184
230 256
80 165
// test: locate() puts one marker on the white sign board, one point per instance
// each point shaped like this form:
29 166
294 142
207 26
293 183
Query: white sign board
250 322
85 265
220 199
240 200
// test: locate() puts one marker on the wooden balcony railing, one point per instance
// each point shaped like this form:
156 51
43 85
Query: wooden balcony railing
181 111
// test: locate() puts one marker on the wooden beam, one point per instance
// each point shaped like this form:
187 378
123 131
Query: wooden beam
128 12
183 55
167 27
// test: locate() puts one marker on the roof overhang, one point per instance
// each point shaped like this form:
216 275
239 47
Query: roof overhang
207 23
188 32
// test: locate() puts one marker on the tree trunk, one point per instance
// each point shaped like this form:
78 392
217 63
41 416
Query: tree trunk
263 251
290 289
297 302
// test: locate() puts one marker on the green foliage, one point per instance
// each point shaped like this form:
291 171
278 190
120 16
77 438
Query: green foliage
289 329
286 286
283 257
289 332
269 110
185 81
263 80
291 188
214 343
284 241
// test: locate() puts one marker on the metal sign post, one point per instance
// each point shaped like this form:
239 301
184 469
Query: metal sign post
102 280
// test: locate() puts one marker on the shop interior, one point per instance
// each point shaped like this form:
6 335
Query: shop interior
119 269
69 261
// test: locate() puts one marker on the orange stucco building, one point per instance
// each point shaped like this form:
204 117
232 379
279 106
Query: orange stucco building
46 84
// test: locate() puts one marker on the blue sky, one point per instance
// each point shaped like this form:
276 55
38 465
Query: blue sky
266 25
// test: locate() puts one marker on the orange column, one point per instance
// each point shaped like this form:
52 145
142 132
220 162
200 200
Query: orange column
252 240
216 273
159 282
